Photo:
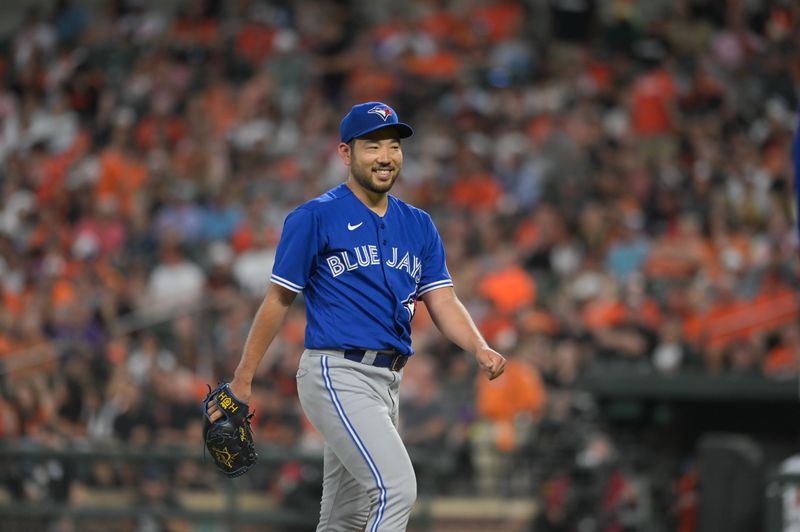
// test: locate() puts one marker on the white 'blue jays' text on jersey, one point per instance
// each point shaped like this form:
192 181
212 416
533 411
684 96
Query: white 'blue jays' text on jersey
360 273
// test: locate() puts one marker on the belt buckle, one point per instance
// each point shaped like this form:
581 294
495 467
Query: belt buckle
398 362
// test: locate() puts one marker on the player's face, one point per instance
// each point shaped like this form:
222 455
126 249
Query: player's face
376 160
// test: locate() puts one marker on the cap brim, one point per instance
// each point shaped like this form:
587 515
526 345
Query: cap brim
404 131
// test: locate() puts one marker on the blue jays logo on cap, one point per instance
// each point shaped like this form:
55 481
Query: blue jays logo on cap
383 112
367 117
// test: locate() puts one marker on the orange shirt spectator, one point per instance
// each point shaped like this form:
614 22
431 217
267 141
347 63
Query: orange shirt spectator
9 422
539 321
219 102
7 344
438 65
495 325
540 128
254 42
540 231
497 20
510 288
152 129
686 507
652 98
195 31
609 310
782 360
479 191
601 313
121 179
63 293
600 74
54 168
520 391
444 26
365 83
14 302
680 255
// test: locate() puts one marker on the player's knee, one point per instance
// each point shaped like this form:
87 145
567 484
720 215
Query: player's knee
408 494
404 493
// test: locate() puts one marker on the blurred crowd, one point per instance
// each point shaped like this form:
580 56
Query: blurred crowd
612 182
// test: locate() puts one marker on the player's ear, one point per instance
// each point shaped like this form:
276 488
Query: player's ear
345 153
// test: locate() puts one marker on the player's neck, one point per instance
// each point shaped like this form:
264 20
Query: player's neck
377 202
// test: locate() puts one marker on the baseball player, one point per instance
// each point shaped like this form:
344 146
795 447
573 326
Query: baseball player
362 258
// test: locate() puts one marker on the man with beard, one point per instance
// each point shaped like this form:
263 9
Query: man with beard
362 258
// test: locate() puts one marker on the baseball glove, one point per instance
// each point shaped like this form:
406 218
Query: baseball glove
229 439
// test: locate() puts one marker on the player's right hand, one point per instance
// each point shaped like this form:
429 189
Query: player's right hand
491 362
241 389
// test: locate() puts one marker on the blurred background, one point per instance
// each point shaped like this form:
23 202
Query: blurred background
612 181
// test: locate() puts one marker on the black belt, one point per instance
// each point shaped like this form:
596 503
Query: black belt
383 359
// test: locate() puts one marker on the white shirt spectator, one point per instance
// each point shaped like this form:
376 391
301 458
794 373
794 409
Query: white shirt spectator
252 269
57 128
175 283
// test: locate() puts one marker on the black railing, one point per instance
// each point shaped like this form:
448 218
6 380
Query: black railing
219 501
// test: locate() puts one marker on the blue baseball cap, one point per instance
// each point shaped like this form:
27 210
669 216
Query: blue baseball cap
367 117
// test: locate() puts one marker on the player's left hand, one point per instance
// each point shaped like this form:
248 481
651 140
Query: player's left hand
491 362
229 438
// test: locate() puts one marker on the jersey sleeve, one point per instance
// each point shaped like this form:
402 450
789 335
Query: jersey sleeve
297 251
434 264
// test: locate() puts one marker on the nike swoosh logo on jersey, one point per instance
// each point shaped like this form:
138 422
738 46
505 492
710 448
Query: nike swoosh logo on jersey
354 227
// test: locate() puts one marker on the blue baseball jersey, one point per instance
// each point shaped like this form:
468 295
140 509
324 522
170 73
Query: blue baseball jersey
360 273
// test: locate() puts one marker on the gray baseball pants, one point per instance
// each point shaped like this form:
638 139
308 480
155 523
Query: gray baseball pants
369 482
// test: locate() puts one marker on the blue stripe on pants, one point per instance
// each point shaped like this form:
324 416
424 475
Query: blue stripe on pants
354 436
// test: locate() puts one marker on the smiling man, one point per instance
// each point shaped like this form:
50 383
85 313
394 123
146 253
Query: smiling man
362 259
